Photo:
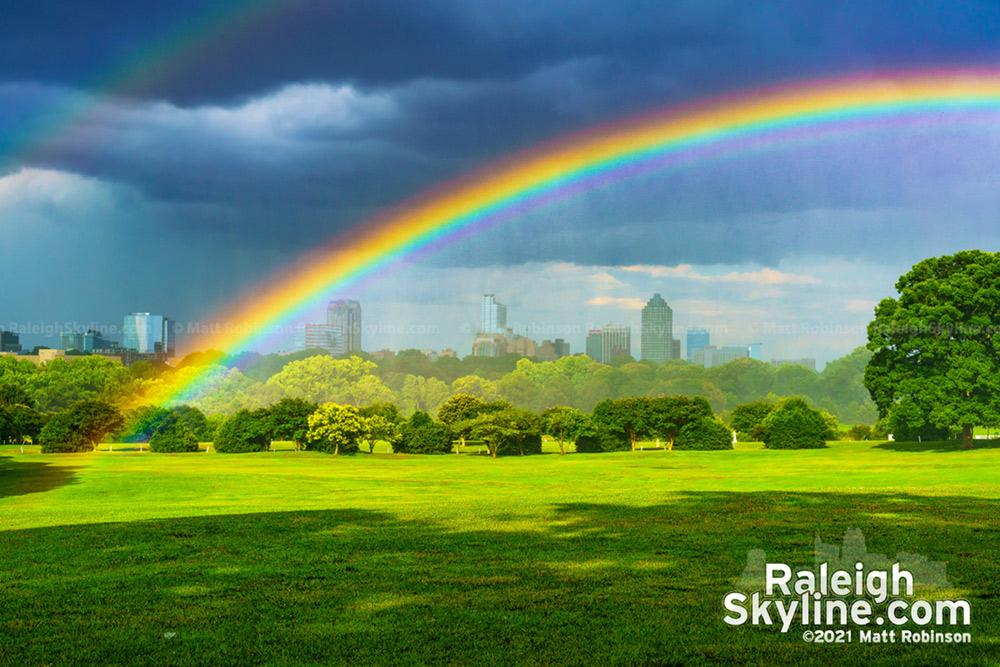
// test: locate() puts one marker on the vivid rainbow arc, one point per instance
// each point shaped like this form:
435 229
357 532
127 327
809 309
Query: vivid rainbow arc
582 161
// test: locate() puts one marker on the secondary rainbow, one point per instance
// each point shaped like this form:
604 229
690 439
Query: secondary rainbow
761 120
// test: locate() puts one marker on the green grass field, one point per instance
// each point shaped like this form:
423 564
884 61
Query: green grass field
290 558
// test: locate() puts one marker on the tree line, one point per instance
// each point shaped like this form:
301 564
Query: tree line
413 383
679 422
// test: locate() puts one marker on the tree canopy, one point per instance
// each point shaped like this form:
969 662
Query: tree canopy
936 355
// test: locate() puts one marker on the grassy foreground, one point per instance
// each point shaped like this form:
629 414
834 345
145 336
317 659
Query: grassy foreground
292 558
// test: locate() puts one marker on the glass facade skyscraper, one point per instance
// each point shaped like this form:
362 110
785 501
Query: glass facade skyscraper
657 336
149 334
493 317
697 339
345 316
594 351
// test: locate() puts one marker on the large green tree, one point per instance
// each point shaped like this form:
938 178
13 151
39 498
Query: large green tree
336 428
564 424
936 352
84 425
289 420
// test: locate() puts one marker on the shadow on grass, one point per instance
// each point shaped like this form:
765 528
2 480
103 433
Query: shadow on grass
936 446
588 583
20 477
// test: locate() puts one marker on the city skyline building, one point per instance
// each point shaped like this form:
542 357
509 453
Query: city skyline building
9 341
616 341
149 334
493 316
91 341
594 348
319 336
697 339
711 356
656 338
345 314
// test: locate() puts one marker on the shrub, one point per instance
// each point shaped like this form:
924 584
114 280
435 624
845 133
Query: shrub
423 435
174 439
142 423
832 426
860 432
747 418
704 434
602 438
794 425
241 433
195 420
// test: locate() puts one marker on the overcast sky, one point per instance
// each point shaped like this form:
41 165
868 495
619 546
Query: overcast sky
168 156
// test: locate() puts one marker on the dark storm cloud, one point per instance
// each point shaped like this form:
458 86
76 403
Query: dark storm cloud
216 52
261 45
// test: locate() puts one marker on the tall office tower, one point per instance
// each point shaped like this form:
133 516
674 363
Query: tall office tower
754 350
616 341
345 314
169 336
493 318
697 339
149 334
595 345
657 330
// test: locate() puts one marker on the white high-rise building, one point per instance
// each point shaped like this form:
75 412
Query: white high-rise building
493 317
616 341
148 334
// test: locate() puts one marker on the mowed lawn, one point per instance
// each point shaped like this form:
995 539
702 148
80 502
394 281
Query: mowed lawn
290 558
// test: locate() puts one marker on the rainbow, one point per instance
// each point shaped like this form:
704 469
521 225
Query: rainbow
674 138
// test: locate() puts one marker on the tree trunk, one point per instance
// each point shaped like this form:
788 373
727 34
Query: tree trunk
967 440
562 449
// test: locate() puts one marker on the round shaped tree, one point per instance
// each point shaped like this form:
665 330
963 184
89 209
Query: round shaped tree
243 432
704 434
174 439
794 425
336 429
